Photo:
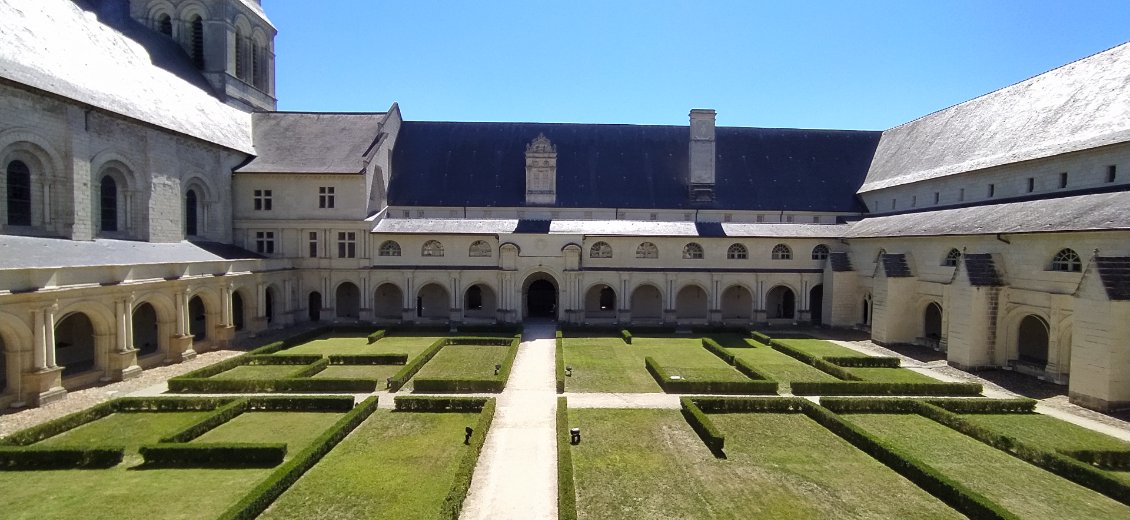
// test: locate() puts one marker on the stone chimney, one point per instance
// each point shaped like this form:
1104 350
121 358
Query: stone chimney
702 156
541 172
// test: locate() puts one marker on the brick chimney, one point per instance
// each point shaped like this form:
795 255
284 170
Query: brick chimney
702 156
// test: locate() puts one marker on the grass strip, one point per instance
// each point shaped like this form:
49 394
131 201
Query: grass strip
566 487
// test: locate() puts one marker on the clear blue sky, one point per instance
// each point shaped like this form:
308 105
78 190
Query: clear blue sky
855 64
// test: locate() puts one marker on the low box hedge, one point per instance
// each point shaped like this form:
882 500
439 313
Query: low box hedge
374 337
289 472
169 404
421 403
687 386
481 341
566 487
703 426
559 361
884 388
864 362
871 405
217 455
974 406
55 427
281 359
219 416
261 386
404 374
626 336
716 349
461 484
749 404
368 359
760 337
1114 460
21 458
311 369
305 403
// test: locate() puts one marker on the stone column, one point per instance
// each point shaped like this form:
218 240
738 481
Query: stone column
44 383
180 345
39 341
714 313
49 333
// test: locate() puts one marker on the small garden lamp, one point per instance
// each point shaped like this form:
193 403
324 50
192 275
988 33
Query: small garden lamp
497 368
568 371
574 436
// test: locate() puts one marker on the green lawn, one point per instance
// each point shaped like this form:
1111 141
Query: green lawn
259 372
645 464
130 429
1024 489
610 365
892 375
294 428
779 366
395 465
346 344
464 361
377 372
820 348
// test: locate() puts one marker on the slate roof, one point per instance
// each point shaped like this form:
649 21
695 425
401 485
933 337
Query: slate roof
628 166
308 142
444 226
982 270
19 252
895 266
115 64
840 261
1115 274
1080 105
1094 212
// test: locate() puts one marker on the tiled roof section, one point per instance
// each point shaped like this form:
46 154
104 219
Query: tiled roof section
539 227
18 252
609 228
1095 212
981 270
95 54
1115 274
628 166
295 142
895 266
1081 105
840 261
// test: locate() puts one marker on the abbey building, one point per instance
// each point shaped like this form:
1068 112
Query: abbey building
153 204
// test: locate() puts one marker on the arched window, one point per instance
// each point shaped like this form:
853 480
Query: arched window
479 248
240 55
1068 261
475 298
190 207
257 66
647 250
600 250
389 248
820 252
165 24
692 251
782 252
737 252
19 194
952 257
432 248
109 204
197 42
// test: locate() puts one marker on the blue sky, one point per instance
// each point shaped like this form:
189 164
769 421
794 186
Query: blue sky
854 64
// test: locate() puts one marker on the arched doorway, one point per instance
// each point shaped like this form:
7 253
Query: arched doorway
816 303
388 301
932 322
433 302
690 303
269 305
600 302
237 311
197 324
348 302
314 306
780 303
647 303
145 333
866 310
1032 340
74 344
479 302
541 296
737 303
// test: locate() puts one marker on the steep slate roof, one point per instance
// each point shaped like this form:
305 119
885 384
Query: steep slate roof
1080 105
895 266
628 166
116 64
982 270
840 261
446 226
18 252
1115 274
1096 212
305 142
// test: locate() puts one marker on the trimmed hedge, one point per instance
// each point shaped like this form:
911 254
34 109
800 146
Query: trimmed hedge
750 404
972 406
311 369
368 359
261 386
418 403
685 386
267 491
760 338
1103 459
372 338
493 384
220 416
716 349
864 362
880 388
269 348
559 360
882 405
318 403
741 365
37 459
453 502
750 371
281 359
410 369
169 404
482 341
566 488
218 455
835 370
626 336
703 426
55 427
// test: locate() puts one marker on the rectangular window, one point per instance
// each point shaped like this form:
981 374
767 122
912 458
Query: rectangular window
262 200
892 203
1031 184
653 215
265 242
937 197
914 201
326 197
1063 180
761 218
961 194
788 218
346 244
1111 171
816 219
992 190
313 244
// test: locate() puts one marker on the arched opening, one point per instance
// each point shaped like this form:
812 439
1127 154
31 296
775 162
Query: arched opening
197 324
932 322
314 306
690 303
600 302
269 305
108 209
479 302
145 332
816 303
541 297
433 302
74 344
647 303
237 312
737 303
165 24
190 213
197 42
19 194
780 303
866 310
1032 340
348 301
3 366
388 301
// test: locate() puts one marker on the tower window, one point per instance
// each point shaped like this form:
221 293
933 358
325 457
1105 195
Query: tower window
262 200
240 54
198 42
326 197
165 25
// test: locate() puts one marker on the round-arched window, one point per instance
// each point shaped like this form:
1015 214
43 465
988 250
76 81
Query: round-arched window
600 250
737 252
389 248
647 250
432 248
1067 260
692 251
479 248
820 252
782 252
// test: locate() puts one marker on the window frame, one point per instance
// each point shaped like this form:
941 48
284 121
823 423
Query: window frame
262 199
820 252
781 252
693 251
265 242
650 252
1066 260
347 244
326 197
737 251
435 251
594 252
389 248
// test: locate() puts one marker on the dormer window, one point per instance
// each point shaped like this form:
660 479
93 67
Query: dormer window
541 171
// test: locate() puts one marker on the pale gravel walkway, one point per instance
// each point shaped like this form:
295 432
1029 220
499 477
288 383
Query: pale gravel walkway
516 476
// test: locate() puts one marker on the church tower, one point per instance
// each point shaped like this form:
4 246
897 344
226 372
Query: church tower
231 42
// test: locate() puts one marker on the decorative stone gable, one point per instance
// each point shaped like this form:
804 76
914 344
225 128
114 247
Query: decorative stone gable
541 172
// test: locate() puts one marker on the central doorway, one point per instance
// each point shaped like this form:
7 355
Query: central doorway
541 296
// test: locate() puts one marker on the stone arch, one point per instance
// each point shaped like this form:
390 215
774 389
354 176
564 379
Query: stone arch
260 59
480 301
112 179
692 303
314 306
737 303
780 302
600 301
239 309
13 333
932 321
433 302
816 303
77 342
146 331
42 162
866 309
1032 339
388 301
540 295
347 301
647 302
271 303
195 199
197 318
241 48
